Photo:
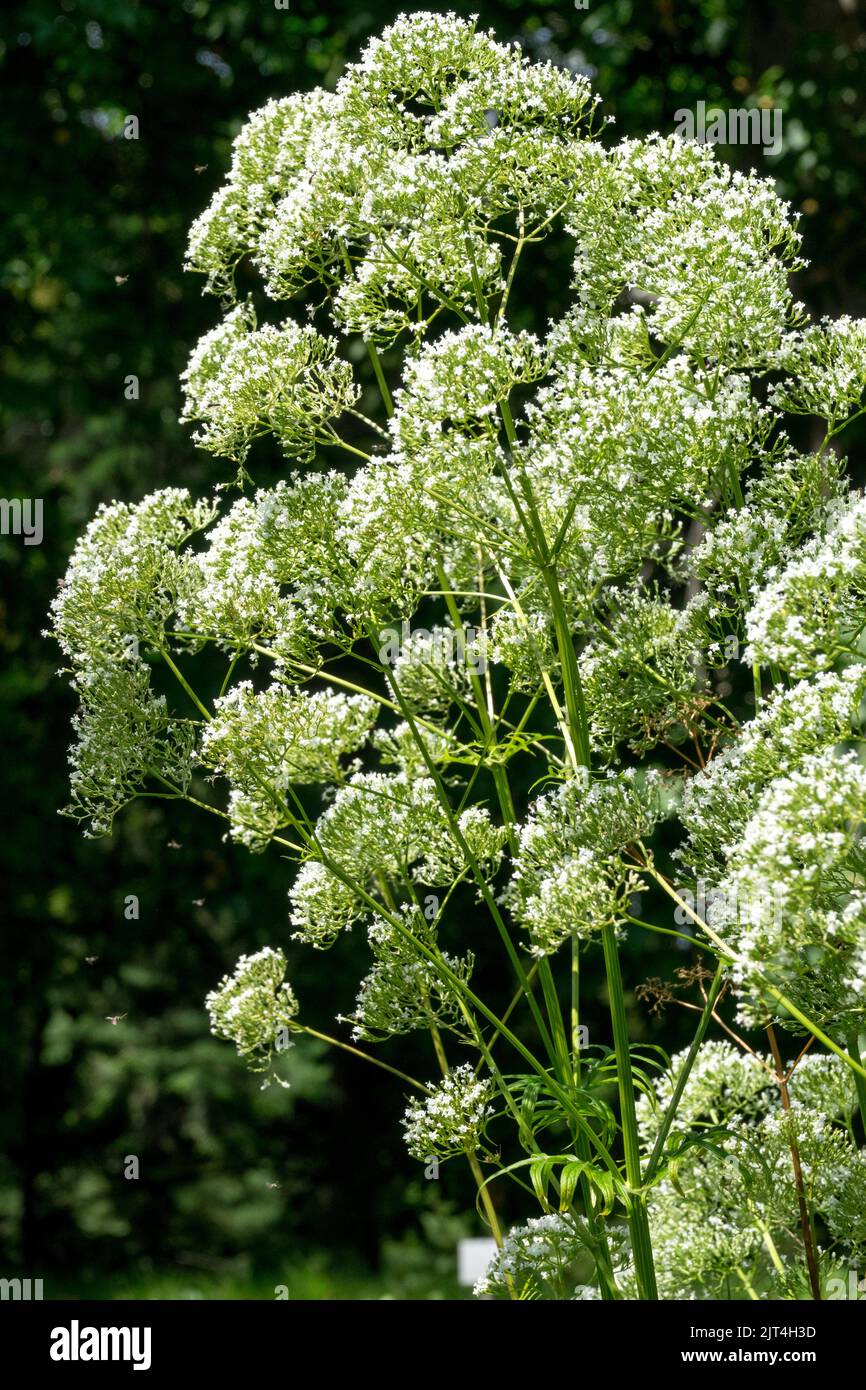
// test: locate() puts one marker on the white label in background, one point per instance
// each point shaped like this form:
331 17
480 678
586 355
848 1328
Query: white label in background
473 1256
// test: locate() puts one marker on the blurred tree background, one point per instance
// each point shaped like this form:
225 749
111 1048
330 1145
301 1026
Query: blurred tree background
241 1190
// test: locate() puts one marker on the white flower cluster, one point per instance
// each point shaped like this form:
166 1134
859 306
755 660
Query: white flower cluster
808 719
822 1082
127 739
665 217
232 588
271 572
640 680
631 448
569 875
405 991
415 506
783 505
733 1199
368 188
775 825
114 604
548 1257
268 154
453 1118
523 643
811 610
431 670
380 827
253 1007
119 591
444 857
266 741
243 381
827 362
462 377
724 1083
797 870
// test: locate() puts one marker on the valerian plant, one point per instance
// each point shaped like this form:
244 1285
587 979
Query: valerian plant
587 559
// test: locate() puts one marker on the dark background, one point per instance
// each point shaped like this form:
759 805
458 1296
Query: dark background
93 235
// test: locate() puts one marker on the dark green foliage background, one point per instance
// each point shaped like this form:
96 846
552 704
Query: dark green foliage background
93 232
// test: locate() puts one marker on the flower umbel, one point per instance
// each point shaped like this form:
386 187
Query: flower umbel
255 1008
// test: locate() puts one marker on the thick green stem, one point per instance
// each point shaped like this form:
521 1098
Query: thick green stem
567 1066
185 683
577 723
571 683
380 380
638 1218
489 1208
581 754
604 1264
859 1076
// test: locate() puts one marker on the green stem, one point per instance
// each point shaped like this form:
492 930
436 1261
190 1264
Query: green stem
665 931
186 685
806 1226
338 443
859 1081
490 1210
638 1218
771 1245
477 873
365 1056
380 378
581 753
604 1264
575 1010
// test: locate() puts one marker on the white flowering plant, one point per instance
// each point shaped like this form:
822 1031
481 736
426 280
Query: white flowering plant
623 585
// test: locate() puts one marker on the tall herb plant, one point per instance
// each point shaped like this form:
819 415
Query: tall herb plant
586 558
